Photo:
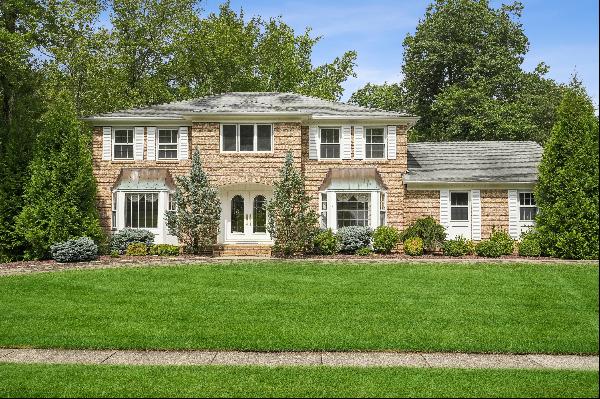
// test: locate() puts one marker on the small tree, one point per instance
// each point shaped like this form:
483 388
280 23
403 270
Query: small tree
292 221
60 197
196 219
567 192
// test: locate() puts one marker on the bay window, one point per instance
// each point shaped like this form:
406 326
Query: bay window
352 209
141 210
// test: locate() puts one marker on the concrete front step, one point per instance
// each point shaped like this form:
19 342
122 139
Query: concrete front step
243 250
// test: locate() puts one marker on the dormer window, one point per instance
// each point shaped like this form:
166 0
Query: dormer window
246 137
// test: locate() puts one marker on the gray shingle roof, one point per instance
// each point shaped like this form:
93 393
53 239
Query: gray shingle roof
473 161
251 102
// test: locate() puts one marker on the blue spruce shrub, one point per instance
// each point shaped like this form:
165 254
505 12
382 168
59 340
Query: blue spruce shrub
353 238
76 250
121 240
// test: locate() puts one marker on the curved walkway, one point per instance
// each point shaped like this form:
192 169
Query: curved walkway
356 359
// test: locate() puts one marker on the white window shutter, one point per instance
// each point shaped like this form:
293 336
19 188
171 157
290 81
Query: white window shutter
312 142
138 143
183 143
513 214
476 215
391 142
359 142
346 142
445 208
151 143
106 143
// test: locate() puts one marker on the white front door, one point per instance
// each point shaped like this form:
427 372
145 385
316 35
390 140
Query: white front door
246 217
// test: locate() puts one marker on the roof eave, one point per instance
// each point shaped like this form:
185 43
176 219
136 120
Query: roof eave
437 184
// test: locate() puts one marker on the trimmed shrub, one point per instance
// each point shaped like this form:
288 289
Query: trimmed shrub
137 249
488 249
76 250
504 241
385 238
114 254
529 245
366 251
164 250
458 247
429 230
121 240
353 238
326 243
413 246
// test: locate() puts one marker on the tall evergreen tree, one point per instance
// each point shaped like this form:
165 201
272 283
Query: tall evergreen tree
292 221
197 217
567 192
59 201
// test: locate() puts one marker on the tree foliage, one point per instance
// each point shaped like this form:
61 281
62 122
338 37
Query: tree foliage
567 192
59 200
197 217
292 221
463 77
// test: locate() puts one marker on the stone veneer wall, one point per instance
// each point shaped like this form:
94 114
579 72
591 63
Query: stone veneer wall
494 211
222 169
494 208
390 170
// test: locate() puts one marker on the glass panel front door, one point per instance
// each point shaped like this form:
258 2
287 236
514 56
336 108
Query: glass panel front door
246 217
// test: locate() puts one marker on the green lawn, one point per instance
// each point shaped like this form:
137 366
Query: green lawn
308 306
24 380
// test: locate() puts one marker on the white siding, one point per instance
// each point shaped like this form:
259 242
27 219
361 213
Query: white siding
138 143
183 146
106 143
513 214
313 132
391 141
359 142
346 142
445 208
476 215
151 142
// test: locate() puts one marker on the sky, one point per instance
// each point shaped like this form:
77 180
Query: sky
563 34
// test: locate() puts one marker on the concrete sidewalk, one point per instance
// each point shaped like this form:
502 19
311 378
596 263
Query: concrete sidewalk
360 359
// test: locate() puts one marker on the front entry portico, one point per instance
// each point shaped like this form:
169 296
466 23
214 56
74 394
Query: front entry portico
245 215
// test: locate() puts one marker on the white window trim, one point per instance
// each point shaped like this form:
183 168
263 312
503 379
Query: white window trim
524 225
112 143
374 209
157 143
468 220
385 142
339 143
237 138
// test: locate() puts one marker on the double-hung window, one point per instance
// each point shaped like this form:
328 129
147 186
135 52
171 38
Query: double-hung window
123 143
245 137
459 206
167 143
114 210
141 210
527 207
324 210
330 143
382 208
375 143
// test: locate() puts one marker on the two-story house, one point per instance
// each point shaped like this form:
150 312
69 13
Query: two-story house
358 167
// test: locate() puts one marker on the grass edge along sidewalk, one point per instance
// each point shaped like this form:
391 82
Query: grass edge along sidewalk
37 380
